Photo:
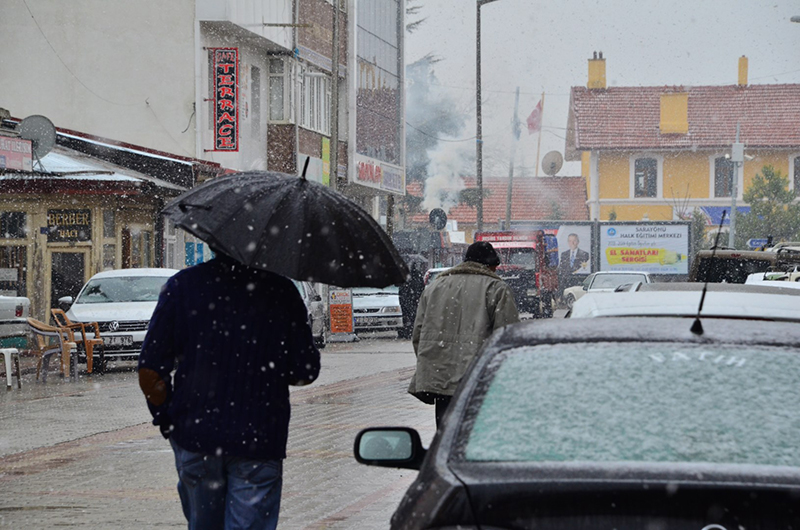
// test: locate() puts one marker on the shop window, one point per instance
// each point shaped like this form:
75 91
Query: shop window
136 248
645 177
12 225
109 223
723 177
109 257
13 268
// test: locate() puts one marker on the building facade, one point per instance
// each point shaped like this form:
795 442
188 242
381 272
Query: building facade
658 153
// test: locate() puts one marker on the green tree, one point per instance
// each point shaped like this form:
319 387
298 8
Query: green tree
773 212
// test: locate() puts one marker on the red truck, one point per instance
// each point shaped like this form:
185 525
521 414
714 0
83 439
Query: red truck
529 264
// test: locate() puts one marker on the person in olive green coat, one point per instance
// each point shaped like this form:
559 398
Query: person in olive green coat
456 314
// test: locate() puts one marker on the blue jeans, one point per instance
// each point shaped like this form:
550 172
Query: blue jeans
226 492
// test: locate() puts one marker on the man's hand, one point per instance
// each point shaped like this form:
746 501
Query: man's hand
153 387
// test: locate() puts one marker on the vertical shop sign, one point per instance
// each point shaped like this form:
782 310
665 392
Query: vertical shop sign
226 99
326 161
340 303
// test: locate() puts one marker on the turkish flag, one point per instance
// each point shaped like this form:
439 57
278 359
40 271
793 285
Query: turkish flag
535 119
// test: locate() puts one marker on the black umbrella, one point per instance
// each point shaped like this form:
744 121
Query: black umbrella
286 224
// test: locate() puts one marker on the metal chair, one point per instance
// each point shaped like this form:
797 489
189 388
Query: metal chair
88 344
47 341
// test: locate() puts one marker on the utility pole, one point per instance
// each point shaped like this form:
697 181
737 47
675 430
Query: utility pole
515 132
737 157
334 156
479 122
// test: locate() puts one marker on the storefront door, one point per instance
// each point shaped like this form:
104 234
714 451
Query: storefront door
67 274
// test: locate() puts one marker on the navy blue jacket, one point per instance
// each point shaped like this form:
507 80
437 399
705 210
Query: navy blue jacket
236 338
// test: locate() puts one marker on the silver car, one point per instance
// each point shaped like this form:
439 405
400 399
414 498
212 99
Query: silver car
316 310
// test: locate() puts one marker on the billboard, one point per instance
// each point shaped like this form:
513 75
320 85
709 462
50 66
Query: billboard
657 248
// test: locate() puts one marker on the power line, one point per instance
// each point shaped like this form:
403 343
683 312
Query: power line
68 68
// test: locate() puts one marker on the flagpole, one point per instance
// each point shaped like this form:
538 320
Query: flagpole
515 138
539 146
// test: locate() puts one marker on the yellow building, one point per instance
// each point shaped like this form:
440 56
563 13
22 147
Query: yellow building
658 153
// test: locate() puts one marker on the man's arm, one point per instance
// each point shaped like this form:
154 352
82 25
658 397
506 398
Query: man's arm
423 304
157 359
505 309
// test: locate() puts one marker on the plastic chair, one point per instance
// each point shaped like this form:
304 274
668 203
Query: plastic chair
47 341
62 320
10 354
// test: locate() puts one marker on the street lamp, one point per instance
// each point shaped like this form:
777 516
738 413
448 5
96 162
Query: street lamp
479 132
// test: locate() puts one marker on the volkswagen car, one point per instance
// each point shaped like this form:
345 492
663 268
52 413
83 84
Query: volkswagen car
121 302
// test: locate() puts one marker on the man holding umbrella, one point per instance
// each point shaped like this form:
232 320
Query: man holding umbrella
235 331
236 338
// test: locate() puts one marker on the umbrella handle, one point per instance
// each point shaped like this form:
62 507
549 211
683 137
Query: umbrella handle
305 167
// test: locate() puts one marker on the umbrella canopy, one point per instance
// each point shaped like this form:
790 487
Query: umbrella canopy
288 225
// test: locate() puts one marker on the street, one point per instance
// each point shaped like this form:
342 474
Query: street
83 452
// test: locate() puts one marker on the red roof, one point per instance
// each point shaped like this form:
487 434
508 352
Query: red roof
533 198
628 117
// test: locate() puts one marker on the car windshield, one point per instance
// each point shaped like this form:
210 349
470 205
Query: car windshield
122 289
645 402
524 257
368 291
611 281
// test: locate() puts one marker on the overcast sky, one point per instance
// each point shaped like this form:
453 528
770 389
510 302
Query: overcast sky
543 46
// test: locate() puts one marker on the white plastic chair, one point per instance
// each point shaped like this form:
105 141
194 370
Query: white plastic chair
11 354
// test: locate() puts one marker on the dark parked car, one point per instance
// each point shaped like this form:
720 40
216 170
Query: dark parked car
626 423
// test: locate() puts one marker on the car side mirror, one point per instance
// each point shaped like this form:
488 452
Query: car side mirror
316 298
399 447
584 288
65 302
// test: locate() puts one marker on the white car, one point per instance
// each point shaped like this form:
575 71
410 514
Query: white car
377 309
787 280
316 310
669 299
603 281
14 311
122 303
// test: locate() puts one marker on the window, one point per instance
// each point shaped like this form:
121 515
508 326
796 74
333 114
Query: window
645 177
797 175
12 225
109 256
279 93
672 381
723 177
315 101
255 100
109 223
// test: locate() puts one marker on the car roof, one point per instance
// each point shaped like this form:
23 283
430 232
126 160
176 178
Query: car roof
117 273
642 329
732 301
622 272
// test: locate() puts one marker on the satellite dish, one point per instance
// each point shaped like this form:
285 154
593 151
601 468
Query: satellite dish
552 162
41 132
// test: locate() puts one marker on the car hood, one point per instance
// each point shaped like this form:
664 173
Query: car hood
375 300
105 312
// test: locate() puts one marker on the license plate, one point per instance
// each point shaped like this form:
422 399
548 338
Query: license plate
122 340
366 321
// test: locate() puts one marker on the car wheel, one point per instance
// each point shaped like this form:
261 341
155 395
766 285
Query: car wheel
570 300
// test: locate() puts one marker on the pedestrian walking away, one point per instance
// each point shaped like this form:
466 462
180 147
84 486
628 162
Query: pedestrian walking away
457 312
224 344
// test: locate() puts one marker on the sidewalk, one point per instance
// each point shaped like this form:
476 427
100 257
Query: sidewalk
83 453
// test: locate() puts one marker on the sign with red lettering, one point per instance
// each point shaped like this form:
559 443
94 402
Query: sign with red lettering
15 153
226 98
